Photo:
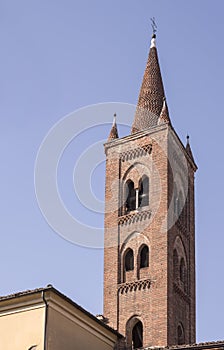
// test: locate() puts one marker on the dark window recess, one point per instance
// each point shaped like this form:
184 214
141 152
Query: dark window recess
143 197
137 335
130 196
144 257
129 260
180 335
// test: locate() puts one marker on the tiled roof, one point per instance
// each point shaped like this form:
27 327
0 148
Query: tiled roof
26 292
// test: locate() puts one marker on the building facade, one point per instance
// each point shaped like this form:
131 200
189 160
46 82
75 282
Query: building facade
45 319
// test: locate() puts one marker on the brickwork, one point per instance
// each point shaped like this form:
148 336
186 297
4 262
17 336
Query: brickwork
149 294
181 237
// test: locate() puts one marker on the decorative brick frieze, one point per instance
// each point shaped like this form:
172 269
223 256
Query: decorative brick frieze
134 286
136 152
136 216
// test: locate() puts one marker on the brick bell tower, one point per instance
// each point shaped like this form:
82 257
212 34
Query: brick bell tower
149 253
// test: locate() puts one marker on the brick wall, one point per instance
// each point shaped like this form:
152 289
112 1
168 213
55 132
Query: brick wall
149 294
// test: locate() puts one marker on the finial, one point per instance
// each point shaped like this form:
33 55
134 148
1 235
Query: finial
154 30
188 137
154 27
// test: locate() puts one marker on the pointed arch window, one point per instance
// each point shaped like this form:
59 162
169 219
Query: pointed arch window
137 335
143 196
129 260
130 196
144 256
180 335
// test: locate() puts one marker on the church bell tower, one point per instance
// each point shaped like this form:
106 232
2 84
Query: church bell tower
149 252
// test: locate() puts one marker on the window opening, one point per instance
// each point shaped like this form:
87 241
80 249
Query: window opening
144 257
129 260
137 335
180 335
143 197
130 196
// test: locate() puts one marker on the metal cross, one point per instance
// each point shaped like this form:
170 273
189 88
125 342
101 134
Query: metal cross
153 24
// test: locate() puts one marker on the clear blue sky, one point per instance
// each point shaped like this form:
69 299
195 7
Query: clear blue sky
58 56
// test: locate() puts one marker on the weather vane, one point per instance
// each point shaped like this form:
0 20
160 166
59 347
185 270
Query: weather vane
153 24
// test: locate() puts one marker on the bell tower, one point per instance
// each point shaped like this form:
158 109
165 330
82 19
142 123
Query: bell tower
149 252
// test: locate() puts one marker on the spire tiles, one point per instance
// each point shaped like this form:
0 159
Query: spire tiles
150 101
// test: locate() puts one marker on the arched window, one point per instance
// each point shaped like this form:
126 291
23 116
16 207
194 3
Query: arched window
175 265
144 256
129 260
143 196
180 335
137 335
130 196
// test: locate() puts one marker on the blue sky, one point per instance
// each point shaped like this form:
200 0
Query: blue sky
57 57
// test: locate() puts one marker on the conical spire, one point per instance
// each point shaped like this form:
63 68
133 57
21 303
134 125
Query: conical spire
113 132
151 95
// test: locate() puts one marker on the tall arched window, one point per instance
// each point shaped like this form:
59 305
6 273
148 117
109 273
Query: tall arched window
130 196
144 256
129 260
137 335
143 196
180 335
175 265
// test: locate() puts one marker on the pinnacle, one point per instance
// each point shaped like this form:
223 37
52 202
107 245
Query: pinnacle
164 115
188 148
113 132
